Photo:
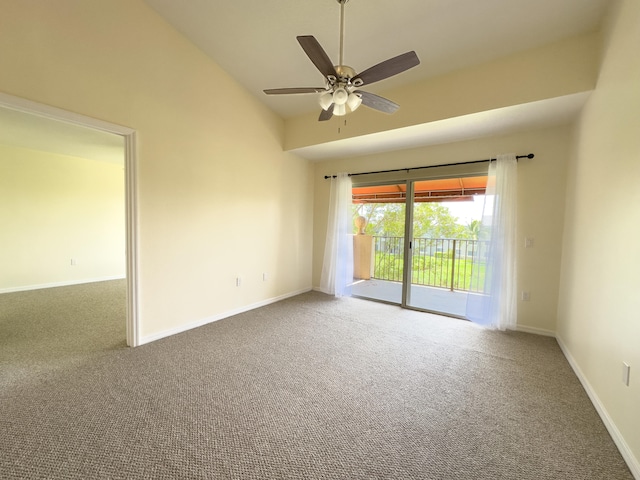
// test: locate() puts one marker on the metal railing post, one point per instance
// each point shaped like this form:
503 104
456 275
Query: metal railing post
453 263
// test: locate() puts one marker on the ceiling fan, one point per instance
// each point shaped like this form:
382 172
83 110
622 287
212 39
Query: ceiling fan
341 93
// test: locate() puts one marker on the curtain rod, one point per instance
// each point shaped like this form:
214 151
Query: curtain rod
531 155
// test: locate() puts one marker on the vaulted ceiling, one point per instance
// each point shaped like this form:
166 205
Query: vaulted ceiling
255 42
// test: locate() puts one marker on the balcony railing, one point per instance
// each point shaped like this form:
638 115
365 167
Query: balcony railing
436 262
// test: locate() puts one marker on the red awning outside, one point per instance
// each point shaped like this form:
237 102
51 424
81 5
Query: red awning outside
444 190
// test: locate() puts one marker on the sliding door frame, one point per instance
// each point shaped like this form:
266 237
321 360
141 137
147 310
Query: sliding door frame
408 245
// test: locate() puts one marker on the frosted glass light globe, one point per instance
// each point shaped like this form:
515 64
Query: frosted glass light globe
340 96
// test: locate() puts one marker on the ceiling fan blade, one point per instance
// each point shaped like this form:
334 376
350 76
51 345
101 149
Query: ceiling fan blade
388 68
377 103
288 91
317 55
326 114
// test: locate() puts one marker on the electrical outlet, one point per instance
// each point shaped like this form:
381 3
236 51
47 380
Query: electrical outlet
528 242
265 277
74 262
626 372
526 296
238 281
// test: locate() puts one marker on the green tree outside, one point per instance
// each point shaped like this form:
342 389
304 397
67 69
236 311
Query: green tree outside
430 220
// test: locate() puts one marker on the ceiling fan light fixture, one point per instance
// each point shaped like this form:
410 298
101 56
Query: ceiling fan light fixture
340 96
340 110
325 100
354 101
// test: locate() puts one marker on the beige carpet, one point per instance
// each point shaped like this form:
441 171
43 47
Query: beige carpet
310 388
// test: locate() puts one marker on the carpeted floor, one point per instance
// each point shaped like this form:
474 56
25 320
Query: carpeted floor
309 388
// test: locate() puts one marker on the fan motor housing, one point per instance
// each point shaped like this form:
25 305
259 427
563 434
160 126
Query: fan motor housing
345 71
346 74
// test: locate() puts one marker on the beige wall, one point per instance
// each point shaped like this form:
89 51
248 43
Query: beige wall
54 208
540 207
599 324
217 196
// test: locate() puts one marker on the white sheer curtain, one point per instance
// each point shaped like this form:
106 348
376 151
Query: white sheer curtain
497 306
337 267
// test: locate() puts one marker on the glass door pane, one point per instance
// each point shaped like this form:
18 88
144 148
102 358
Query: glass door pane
444 241
378 245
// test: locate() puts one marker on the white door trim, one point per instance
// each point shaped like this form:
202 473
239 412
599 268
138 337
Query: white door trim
131 192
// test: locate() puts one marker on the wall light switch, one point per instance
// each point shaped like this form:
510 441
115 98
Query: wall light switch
528 242
526 296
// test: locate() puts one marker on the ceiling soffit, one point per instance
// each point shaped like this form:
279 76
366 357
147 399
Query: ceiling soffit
555 71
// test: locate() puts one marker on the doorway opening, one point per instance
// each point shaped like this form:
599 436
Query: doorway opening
441 264
66 122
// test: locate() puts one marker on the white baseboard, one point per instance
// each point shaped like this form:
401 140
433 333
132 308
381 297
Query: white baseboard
220 316
536 331
618 439
40 286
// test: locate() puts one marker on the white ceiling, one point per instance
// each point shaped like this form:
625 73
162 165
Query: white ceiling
26 130
255 40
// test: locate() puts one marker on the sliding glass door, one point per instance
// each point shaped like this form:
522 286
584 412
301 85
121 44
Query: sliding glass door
434 270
